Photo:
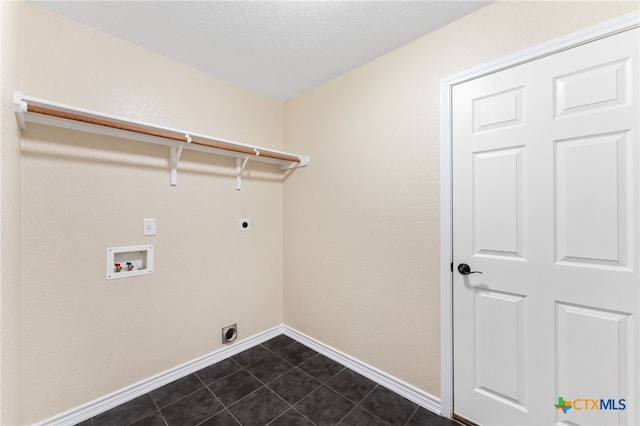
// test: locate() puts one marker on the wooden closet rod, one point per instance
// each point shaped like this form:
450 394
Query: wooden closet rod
158 133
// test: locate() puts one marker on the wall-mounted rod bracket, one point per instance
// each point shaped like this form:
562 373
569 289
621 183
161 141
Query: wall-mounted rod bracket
20 108
240 165
304 160
175 153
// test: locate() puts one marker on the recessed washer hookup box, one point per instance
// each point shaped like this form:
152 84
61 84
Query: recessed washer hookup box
129 261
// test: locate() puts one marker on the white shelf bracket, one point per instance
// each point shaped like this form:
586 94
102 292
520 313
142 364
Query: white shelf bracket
176 152
20 108
304 160
240 165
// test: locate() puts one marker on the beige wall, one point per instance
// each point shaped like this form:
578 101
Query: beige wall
83 336
10 281
362 223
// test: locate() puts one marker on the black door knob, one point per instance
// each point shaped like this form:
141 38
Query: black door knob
465 269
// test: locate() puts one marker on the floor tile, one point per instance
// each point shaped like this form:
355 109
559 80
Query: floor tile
269 367
223 418
259 408
175 390
389 406
278 342
281 382
154 419
217 371
192 409
251 355
324 406
321 367
127 413
291 418
234 387
296 353
359 417
294 385
423 417
351 385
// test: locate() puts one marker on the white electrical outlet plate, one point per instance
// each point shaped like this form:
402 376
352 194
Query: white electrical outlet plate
244 224
149 227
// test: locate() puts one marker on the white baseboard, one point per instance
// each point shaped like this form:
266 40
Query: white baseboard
102 404
107 402
398 386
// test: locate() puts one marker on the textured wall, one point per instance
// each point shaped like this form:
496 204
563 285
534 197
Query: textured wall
362 225
83 336
10 284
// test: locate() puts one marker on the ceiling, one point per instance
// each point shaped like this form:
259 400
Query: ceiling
276 48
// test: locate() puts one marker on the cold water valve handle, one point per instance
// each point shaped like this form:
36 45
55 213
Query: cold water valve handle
465 269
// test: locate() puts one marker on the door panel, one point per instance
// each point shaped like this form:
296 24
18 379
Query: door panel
497 201
503 351
591 199
577 327
546 185
498 110
588 90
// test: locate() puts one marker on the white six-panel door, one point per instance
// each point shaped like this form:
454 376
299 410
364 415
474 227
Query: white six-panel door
546 190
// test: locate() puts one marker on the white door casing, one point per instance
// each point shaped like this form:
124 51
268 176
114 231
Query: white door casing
545 203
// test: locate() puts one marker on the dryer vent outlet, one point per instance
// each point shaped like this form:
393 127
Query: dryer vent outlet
229 333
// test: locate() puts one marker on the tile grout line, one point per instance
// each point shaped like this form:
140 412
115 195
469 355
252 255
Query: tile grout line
347 414
323 383
224 407
263 384
223 377
179 399
297 367
289 370
291 408
158 409
293 367
275 378
244 397
364 409
411 416
138 418
274 391
204 386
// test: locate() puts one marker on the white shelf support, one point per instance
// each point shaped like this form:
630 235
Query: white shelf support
175 153
240 165
304 161
34 110
20 108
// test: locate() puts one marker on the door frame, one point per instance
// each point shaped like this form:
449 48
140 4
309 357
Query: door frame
605 29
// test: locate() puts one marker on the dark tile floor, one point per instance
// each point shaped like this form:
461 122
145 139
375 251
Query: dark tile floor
280 382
